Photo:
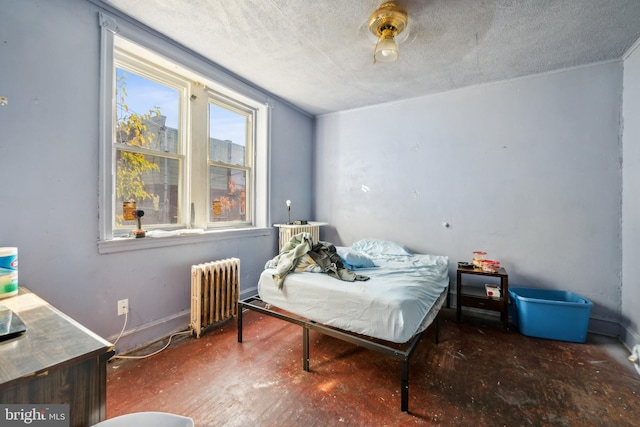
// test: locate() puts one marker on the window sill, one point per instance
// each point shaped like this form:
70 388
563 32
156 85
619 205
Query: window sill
133 244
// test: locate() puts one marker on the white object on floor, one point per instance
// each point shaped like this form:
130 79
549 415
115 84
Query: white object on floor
140 419
635 357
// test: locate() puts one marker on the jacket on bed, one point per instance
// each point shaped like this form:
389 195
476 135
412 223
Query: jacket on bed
325 255
287 259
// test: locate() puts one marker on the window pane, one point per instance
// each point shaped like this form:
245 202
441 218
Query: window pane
227 194
227 136
146 113
151 183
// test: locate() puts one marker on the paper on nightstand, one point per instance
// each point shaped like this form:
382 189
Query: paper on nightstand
493 291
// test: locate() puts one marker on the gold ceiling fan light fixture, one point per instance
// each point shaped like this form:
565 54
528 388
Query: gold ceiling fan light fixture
386 23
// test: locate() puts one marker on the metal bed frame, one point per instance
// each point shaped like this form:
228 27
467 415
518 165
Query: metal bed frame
256 304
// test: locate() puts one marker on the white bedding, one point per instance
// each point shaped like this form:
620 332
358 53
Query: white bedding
401 298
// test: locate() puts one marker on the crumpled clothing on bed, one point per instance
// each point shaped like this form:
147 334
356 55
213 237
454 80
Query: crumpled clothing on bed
300 254
325 255
289 255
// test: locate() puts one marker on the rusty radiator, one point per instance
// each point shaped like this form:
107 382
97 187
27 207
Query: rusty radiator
215 289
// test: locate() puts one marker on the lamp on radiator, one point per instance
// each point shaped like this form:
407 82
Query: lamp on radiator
289 210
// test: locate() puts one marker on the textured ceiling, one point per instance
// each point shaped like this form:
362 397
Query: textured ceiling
318 55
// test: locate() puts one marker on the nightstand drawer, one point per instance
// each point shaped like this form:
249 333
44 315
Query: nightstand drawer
495 304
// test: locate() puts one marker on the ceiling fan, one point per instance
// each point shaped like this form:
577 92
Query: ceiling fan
386 23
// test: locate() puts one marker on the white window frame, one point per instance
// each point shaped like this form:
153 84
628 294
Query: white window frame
194 198
241 108
125 60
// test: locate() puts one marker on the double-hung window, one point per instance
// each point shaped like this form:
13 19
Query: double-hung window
180 151
149 145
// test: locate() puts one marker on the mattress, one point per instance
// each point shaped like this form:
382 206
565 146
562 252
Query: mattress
401 298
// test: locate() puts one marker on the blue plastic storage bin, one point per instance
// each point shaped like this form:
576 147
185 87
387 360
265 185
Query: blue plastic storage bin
551 314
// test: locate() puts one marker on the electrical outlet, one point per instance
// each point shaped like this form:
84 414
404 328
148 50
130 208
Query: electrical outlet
123 306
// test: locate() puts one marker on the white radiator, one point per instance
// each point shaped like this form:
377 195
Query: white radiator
215 289
288 231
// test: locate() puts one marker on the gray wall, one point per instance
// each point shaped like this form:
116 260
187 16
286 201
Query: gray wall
630 331
528 170
49 173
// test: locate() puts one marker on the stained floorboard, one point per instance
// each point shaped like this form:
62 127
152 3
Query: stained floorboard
477 375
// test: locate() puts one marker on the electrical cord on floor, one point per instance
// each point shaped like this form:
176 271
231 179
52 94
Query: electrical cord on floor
145 355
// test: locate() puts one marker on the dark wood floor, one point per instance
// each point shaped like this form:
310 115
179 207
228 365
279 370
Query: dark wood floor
477 375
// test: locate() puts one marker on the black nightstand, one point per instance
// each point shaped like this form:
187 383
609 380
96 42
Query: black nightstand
474 296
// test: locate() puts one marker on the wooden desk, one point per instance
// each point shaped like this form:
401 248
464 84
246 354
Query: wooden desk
476 296
56 361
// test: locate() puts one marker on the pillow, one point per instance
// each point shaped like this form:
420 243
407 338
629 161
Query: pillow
353 259
380 247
